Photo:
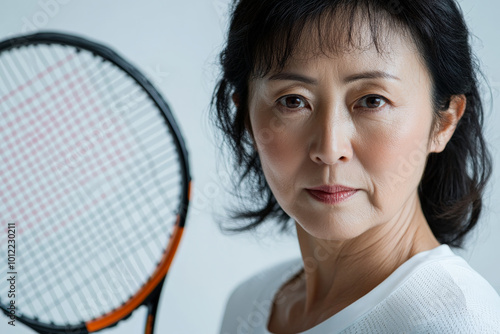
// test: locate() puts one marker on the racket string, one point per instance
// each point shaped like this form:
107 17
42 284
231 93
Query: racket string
21 87
74 204
29 180
62 285
37 180
130 245
49 283
41 300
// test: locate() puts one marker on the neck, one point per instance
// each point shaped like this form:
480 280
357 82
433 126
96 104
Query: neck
338 272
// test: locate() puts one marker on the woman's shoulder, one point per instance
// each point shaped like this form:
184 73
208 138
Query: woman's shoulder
255 294
436 292
442 272
453 277
447 294
473 293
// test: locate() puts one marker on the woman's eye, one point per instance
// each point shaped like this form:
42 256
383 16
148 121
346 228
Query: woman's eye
372 102
292 102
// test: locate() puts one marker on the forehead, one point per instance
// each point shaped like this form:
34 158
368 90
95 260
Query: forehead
398 61
335 35
397 55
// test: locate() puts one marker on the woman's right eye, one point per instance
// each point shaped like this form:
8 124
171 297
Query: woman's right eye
292 102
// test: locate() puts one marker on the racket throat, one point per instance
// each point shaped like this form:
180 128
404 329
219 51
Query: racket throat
152 305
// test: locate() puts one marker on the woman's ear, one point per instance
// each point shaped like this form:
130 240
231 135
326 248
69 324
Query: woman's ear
448 123
248 125
236 99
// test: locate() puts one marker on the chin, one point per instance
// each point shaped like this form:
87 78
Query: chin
332 229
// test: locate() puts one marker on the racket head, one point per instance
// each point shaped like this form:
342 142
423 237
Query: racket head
63 59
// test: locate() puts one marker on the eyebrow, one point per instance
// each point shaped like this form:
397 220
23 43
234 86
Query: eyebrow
370 75
293 77
308 80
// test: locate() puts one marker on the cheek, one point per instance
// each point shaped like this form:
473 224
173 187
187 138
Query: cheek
280 153
395 156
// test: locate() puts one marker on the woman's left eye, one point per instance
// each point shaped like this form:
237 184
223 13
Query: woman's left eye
292 102
372 102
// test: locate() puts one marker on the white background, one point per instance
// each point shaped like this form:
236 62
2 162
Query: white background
176 44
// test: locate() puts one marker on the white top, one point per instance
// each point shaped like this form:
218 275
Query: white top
435 291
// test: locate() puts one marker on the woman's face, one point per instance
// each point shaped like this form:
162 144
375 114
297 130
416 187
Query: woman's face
359 119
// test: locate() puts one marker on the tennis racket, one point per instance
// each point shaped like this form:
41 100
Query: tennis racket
94 185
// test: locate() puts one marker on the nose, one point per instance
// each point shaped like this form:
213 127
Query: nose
331 139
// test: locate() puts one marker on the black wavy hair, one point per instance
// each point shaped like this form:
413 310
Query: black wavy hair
263 35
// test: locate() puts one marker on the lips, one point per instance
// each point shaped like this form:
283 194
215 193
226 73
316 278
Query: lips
331 194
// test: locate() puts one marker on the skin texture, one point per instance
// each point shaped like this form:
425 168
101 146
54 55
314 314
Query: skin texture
332 132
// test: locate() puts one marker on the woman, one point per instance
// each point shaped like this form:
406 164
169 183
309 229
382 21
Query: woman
361 123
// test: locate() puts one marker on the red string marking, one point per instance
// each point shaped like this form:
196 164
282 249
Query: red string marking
39 76
38 139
